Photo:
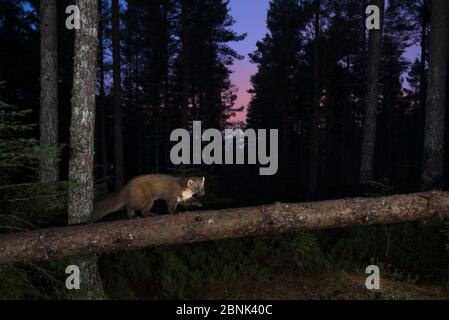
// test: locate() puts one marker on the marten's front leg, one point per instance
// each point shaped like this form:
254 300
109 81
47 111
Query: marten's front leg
146 212
172 204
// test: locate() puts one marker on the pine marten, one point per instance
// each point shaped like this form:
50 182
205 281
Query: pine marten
141 192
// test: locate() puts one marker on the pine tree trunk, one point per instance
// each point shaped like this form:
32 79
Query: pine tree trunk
118 125
423 78
422 89
100 118
433 157
314 160
48 124
371 96
185 62
80 198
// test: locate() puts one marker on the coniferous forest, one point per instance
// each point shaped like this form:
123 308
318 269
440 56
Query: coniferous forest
92 91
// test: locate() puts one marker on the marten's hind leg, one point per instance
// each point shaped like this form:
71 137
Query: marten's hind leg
131 213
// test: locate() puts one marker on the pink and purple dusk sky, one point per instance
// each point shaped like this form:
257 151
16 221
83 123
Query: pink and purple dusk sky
250 16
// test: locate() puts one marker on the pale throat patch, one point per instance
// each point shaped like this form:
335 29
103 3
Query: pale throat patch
185 195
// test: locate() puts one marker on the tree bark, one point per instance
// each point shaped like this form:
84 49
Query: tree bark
83 115
420 113
423 80
314 158
185 61
80 197
192 227
371 96
100 117
48 123
117 105
433 157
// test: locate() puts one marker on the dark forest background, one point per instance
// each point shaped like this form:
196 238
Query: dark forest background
172 67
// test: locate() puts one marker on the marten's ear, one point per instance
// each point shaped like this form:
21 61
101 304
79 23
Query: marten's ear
204 179
190 183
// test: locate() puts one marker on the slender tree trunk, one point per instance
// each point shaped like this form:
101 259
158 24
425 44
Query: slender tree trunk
140 139
314 160
80 198
100 116
423 78
118 125
165 91
422 88
48 123
157 137
433 158
371 96
364 36
139 115
185 62
388 110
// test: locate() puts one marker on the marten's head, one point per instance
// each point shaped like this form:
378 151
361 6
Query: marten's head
196 185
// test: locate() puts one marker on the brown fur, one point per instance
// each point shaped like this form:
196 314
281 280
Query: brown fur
141 192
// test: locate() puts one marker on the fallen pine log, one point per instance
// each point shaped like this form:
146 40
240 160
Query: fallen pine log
52 243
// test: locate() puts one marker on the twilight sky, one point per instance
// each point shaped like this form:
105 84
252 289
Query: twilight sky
250 16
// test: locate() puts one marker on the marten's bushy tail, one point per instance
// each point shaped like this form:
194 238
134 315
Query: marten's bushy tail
104 207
